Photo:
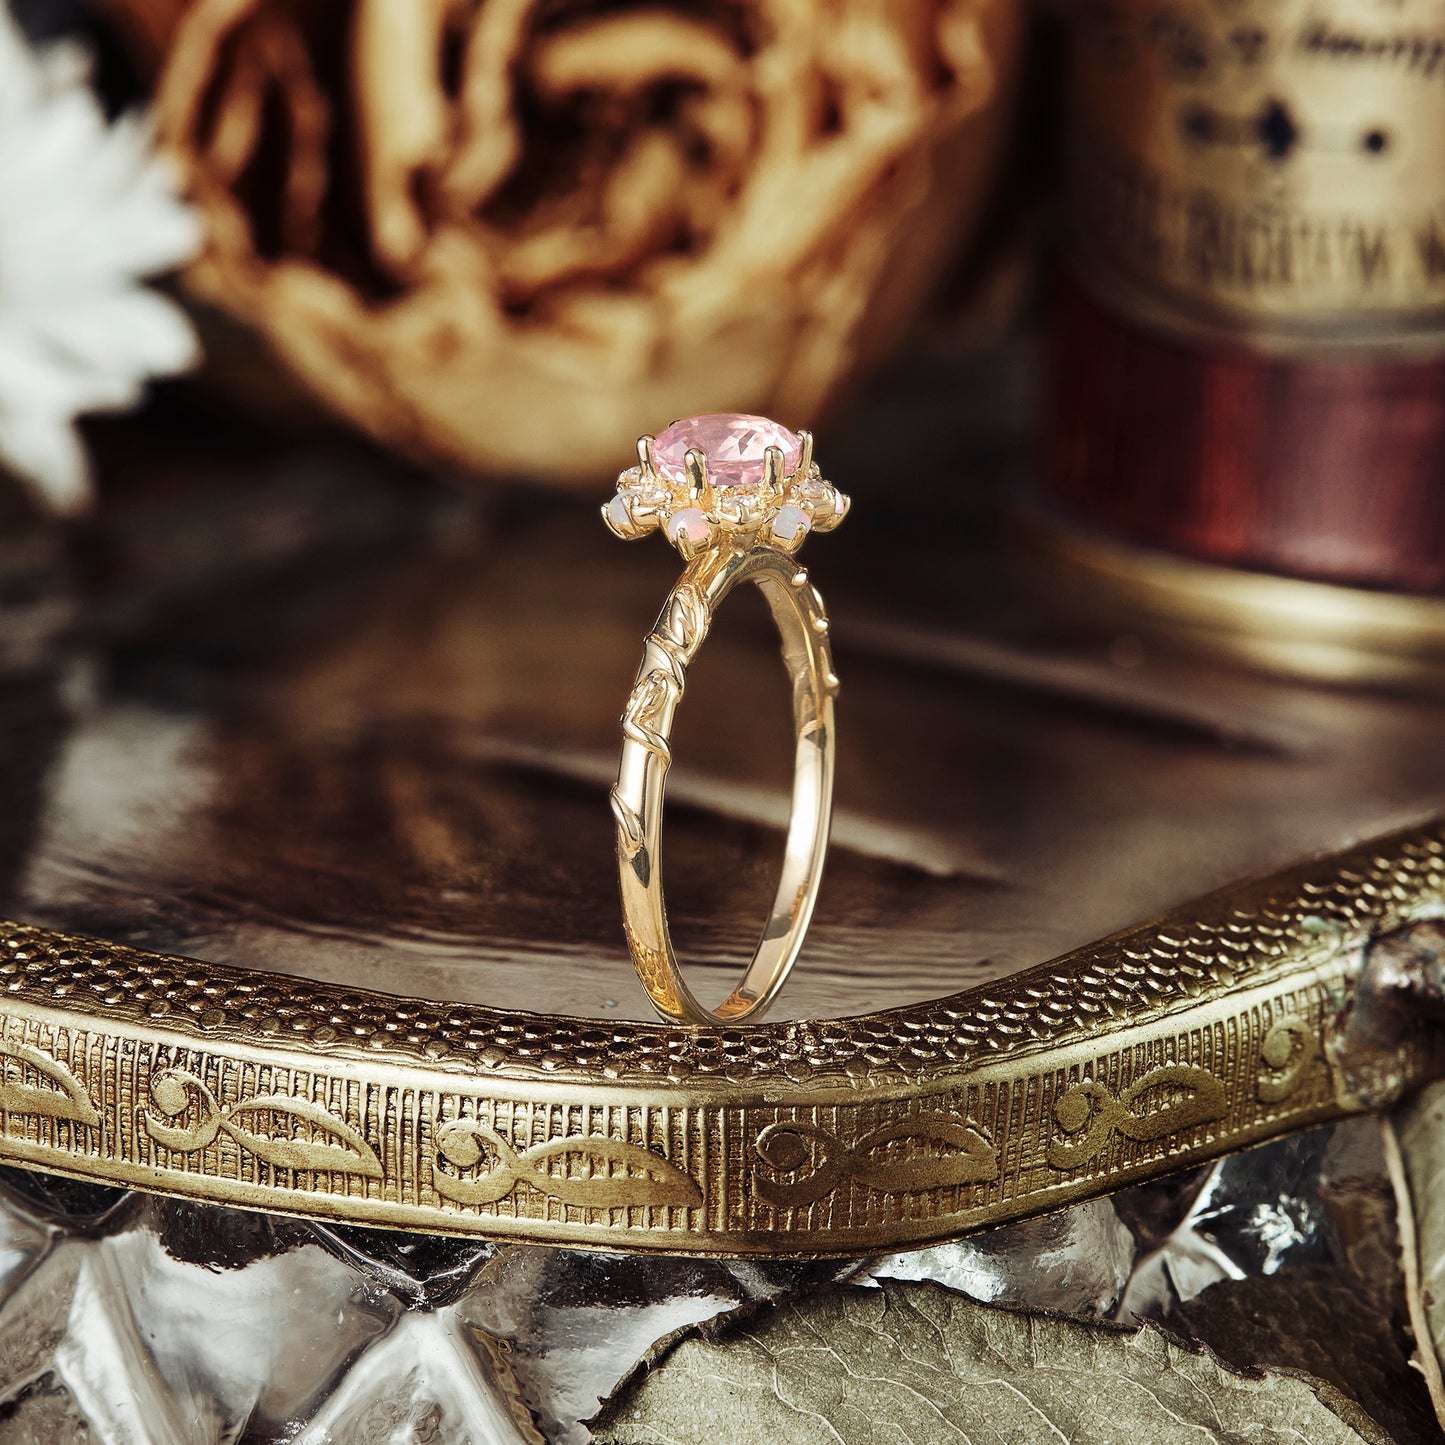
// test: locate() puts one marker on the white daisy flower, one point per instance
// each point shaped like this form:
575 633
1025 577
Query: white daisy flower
86 211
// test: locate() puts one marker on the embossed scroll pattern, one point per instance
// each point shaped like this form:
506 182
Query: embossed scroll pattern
1288 1050
314 1140
802 1162
1167 1044
60 1096
587 1171
1164 1101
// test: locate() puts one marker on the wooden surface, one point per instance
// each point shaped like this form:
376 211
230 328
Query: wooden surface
285 704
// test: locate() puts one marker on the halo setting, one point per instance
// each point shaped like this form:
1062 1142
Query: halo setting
721 475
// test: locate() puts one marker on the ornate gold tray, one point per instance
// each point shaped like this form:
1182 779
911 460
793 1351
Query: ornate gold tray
1214 1028
346 778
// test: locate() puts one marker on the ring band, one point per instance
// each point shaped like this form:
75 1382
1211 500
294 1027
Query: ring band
742 523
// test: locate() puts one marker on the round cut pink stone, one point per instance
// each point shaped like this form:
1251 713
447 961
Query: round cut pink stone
732 443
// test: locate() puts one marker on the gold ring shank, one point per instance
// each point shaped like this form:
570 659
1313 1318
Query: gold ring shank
637 800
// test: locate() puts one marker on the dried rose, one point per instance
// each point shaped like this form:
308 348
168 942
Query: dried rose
512 234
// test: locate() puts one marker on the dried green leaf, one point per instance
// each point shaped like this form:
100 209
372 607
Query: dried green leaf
1319 1320
1337 1313
915 1364
1417 1158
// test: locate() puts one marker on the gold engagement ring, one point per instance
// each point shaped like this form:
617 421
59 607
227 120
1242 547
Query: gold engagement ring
737 496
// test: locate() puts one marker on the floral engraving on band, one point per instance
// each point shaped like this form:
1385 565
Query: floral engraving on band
325 1145
654 691
907 1158
1286 1053
684 622
629 823
588 1171
639 718
670 647
59 1097
1183 1096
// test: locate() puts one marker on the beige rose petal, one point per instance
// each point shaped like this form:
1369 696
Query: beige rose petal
499 220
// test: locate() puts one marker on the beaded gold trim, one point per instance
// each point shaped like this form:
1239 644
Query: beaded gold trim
1211 1029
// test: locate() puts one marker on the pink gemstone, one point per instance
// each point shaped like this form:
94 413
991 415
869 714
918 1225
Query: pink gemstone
732 443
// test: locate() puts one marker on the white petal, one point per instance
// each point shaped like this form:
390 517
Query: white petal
86 211
146 230
21 83
64 63
54 143
70 241
46 454
34 378
137 332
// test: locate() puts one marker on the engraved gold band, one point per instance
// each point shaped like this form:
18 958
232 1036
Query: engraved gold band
748 530
638 797
1218 1026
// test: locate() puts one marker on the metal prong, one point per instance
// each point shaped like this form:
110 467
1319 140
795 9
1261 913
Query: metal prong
612 522
805 461
645 458
627 517
699 489
774 463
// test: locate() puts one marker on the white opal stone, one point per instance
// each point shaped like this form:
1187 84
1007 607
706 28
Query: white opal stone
790 524
618 517
689 525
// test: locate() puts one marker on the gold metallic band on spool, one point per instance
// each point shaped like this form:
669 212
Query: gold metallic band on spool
1267 173
1342 635
1216 1027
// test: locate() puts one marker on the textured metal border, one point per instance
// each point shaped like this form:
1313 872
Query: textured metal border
1206 1031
